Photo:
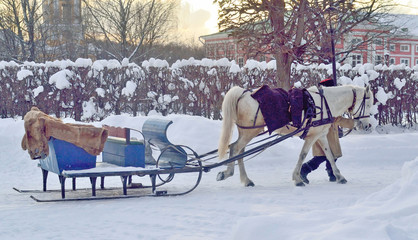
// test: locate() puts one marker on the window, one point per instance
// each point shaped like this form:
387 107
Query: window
392 61
416 61
241 62
378 59
356 59
356 41
416 48
404 48
405 61
377 41
392 47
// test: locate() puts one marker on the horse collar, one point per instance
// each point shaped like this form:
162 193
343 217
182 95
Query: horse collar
350 109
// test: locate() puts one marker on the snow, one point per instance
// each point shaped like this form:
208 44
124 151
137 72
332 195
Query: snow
125 62
399 83
380 200
60 79
381 95
24 73
158 63
100 92
83 62
234 68
343 80
130 88
38 90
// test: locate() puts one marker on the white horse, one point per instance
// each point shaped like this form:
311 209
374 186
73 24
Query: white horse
241 109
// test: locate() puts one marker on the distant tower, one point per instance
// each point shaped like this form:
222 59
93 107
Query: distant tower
62 18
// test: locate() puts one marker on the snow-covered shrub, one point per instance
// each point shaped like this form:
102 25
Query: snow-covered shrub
91 90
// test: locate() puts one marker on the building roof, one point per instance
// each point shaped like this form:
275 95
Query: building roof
407 23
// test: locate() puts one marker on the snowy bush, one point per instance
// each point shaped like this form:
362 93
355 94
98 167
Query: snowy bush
92 90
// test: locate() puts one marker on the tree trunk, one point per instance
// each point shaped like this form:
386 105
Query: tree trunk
283 69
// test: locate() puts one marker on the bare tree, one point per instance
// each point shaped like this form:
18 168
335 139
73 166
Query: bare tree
31 16
293 30
18 21
126 28
12 30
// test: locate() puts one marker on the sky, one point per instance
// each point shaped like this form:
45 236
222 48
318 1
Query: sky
407 6
199 17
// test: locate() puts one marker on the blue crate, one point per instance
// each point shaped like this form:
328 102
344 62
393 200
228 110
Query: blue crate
118 152
66 156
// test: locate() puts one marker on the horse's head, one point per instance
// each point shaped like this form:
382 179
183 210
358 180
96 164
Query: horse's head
362 108
35 140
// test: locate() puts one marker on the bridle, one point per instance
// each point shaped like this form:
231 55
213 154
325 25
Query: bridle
362 109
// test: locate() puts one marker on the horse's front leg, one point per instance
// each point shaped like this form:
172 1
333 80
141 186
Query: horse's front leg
323 141
296 173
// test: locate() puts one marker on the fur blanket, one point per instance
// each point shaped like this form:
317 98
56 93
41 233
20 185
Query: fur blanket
39 127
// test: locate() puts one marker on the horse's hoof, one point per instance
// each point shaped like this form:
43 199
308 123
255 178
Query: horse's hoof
342 181
220 177
250 184
300 184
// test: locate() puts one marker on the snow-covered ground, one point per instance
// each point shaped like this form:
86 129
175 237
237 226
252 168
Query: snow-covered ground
380 200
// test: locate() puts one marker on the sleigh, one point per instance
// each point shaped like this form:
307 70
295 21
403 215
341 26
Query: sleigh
122 157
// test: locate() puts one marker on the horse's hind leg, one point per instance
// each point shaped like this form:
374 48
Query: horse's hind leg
230 166
243 174
236 148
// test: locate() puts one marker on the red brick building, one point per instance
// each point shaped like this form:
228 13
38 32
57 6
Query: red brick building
385 48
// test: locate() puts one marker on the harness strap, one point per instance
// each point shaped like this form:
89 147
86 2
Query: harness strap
255 120
350 109
362 108
323 120
256 114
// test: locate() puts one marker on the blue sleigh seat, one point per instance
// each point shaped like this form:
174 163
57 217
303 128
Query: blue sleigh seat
66 156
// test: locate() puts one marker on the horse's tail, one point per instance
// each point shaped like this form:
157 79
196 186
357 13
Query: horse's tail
229 112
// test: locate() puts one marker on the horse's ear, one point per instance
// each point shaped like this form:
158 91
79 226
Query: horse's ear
367 88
